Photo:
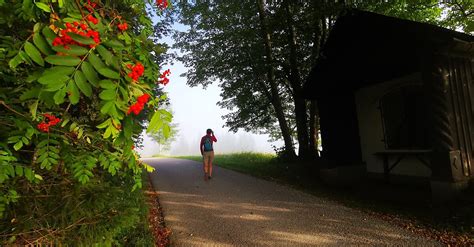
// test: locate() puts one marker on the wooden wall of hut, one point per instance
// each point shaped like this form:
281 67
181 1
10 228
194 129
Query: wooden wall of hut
449 79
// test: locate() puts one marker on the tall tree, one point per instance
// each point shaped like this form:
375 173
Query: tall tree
275 98
261 52
222 29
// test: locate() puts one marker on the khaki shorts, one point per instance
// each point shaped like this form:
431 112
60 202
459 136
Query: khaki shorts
208 156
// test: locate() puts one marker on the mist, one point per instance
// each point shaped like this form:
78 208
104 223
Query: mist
227 142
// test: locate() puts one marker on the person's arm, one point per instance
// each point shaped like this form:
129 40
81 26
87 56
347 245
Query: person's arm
200 147
213 137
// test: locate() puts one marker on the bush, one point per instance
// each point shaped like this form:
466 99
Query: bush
78 85
102 211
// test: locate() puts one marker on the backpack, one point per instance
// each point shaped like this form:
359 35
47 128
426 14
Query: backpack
207 144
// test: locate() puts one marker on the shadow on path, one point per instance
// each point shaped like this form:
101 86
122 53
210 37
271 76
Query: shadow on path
233 209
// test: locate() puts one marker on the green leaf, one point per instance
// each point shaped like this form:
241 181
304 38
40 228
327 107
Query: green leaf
107 84
33 107
166 131
108 56
15 61
73 93
43 7
14 139
37 176
82 83
30 94
25 57
81 39
124 36
96 62
33 76
55 86
113 112
63 70
108 132
42 45
148 168
49 34
59 96
128 127
79 134
55 75
37 27
125 95
33 53
10 170
90 73
76 15
167 115
29 132
108 94
114 44
104 124
71 20
63 60
19 170
72 50
109 73
25 140
65 121
18 145
107 106
155 123
29 174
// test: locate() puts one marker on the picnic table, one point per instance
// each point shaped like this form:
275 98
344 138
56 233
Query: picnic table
399 155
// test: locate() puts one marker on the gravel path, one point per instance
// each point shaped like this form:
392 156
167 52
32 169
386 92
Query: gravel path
233 209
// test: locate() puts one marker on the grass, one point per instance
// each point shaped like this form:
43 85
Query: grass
257 164
410 203
140 234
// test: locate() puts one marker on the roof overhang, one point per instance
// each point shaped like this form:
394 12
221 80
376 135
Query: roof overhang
365 48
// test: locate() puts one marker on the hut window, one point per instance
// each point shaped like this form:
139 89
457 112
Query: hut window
403 116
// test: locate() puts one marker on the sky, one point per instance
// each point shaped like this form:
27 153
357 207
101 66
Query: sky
195 110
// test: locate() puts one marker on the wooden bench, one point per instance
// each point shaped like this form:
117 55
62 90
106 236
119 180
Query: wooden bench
400 155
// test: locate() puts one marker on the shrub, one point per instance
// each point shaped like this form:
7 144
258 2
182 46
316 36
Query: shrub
79 81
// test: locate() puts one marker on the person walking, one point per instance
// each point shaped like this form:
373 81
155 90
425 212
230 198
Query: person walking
207 152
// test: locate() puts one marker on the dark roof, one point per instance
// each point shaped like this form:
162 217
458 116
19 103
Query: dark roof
365 48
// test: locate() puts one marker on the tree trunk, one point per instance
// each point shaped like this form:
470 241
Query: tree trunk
276 100
313 128
296 84
318 40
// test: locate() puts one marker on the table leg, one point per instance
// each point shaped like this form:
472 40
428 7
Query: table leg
386 169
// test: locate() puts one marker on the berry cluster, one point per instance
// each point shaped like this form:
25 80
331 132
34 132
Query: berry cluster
164 77
92 19
138 107
90 6
122 26
136 72
49 120
162 4
78 28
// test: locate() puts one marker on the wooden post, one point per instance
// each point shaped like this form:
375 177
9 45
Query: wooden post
436 84
446 162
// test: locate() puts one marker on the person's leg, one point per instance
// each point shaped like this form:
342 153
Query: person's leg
211 159
205 164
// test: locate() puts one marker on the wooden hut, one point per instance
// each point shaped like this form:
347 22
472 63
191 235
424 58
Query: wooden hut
397 96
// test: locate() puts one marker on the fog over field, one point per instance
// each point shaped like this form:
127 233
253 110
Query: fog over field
195 110
228 142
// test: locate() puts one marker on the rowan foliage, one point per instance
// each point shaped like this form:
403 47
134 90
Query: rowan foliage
72 73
